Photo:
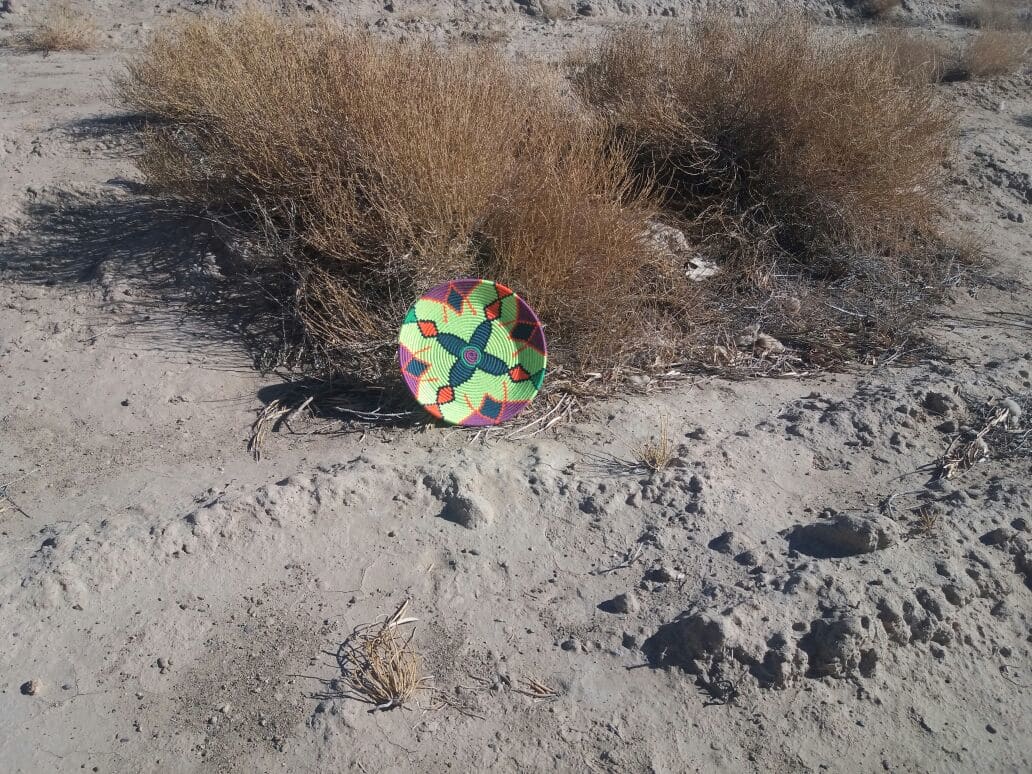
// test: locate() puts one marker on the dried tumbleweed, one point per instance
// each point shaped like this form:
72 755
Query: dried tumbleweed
378 664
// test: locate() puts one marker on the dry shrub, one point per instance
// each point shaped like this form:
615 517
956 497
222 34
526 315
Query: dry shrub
994 52
999 15
377 169
60 28
915 58
379 666
656 453
803 163
802 144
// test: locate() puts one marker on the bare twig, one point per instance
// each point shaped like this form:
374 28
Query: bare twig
962 455
632 556
536 689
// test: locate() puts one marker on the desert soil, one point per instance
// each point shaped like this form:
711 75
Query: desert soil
796 592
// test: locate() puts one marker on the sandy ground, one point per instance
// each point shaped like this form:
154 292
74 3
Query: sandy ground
768 603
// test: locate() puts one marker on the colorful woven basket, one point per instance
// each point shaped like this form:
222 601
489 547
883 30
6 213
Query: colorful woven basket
472 352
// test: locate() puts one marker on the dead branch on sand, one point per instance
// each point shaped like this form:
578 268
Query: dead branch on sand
964 453
537 690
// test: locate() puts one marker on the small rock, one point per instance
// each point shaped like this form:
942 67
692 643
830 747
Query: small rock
957 594
688 642
461 505
662 575
931 600
844 535
840 646
729 542
717 644
571 644
630 640
31 688
621 603
468 510
939 402
996 537
747 558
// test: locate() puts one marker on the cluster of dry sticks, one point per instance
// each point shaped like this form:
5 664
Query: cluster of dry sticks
1002 423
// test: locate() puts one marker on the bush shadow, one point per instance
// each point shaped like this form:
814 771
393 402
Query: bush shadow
163 273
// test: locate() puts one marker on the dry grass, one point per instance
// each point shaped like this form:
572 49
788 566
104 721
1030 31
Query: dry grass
379 666
768 131
802 163
926 521
995 52
999 15
914 58
374 169
656 453
60 28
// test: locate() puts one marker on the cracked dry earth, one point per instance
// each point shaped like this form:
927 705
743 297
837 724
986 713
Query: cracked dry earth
797 591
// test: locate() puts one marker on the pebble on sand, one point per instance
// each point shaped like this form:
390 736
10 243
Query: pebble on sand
31 687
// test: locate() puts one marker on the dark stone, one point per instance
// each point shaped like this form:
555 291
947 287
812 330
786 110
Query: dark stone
621 603
996 537
30 688
843 535
939 402
685 641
